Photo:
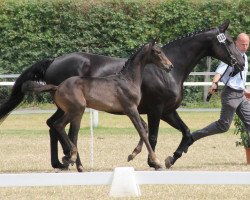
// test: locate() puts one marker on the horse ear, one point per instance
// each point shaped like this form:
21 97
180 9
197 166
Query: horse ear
153 42
223 27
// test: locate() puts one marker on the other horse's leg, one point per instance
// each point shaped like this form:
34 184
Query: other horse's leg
175 121
138 148
60 125
54 137
135 118
153 126
73 135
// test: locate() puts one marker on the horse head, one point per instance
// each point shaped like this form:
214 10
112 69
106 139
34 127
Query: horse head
157 56
225 48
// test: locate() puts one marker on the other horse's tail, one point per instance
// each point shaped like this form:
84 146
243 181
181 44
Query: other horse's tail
32 86
34 73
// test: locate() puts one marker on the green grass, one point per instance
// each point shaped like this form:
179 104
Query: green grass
25 148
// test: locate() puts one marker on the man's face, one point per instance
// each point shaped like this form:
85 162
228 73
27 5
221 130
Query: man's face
242 44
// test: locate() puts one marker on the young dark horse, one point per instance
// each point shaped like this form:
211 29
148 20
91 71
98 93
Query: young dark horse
161 92
117 94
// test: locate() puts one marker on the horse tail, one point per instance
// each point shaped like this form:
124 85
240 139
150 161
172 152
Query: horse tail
32 86
35 73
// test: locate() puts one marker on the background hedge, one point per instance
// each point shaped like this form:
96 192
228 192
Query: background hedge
32 30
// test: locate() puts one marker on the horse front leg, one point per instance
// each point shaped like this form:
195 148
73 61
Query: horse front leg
136 120
175 121
138 148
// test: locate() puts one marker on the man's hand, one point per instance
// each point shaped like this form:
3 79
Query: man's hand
213 88
247 94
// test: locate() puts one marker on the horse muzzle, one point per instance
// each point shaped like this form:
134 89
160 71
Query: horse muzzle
168 67
235 63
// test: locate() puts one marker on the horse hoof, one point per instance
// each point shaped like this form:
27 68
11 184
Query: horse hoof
169 162
151 164
67 161
154 165
57 170
130 157
159 168
80 168
60 166
65 169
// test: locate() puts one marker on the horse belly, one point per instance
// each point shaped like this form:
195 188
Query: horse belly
103 100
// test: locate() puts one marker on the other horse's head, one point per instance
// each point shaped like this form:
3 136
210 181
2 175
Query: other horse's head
225 49
156 56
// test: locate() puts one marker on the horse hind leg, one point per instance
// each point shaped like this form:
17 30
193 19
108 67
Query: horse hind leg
60 125
76 107
54 137
73 135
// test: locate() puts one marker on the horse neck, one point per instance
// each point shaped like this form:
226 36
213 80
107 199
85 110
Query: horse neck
134 69
185 54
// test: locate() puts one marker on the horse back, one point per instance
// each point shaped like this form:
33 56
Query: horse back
82 64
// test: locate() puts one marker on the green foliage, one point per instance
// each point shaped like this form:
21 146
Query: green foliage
241 130
32 30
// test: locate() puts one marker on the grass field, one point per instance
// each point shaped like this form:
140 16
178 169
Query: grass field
25 148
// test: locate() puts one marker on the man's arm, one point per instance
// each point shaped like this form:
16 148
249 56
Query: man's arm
214 85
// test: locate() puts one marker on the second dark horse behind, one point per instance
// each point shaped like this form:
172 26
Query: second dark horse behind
162 92
116 94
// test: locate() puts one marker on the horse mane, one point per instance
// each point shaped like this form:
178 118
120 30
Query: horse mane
131 58
172 42
188 36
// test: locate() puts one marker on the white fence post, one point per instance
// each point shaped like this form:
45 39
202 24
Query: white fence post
96 118
124 183
91 140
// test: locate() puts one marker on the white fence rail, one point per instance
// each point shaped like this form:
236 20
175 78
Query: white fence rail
13 76
4 83
125 181
142 178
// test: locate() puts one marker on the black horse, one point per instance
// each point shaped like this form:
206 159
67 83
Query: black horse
162 92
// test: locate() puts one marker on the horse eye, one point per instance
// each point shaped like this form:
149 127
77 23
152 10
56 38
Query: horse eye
157 51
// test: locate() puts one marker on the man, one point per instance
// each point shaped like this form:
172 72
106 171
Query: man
233 97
